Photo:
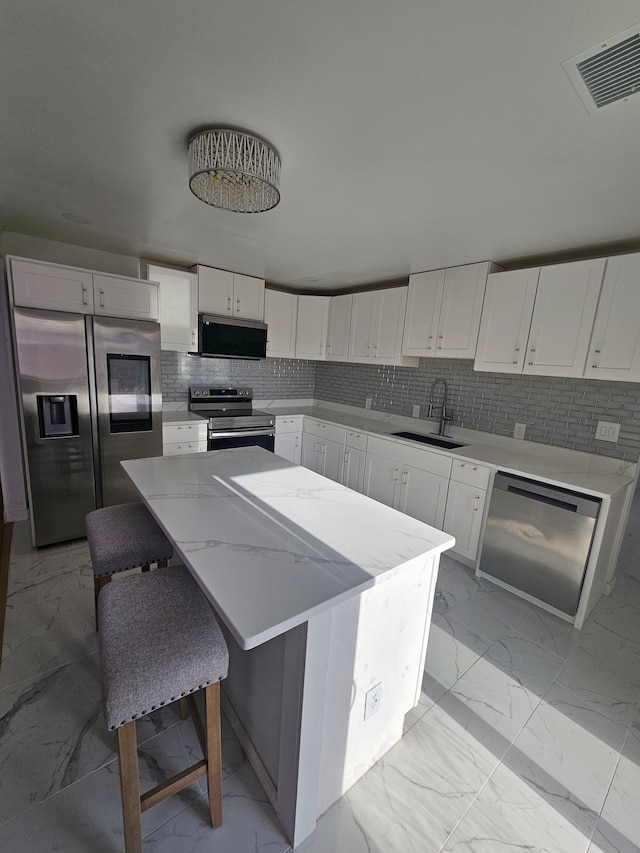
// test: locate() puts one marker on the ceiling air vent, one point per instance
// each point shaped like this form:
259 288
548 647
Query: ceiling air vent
609 72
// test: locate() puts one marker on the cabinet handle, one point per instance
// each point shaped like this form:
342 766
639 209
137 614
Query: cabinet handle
84 295
517 349
475 502
228 303
405 477
533 349
323 448
193 337
597 352
346 457
328 349
396 472
101 298
295 441
238 305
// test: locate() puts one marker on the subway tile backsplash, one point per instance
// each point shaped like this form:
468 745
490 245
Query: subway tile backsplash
561 412
269 377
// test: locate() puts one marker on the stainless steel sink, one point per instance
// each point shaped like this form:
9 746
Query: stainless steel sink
435 440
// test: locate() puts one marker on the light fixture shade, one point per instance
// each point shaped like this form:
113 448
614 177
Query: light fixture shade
234 170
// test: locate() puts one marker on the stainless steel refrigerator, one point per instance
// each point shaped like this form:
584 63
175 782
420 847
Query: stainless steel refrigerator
91 397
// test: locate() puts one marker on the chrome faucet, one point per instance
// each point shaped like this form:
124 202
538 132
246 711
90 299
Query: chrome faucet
444 415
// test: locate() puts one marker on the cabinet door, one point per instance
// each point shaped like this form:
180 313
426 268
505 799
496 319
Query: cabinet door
177 308
310 455
460 310
353 468
339 323
463 517
381 479
563 315
505 321
423 307
423 495
389 324
215 291
615 343
287 445
331 459
313 320
280 315
362 317
55 287
122 297
248 297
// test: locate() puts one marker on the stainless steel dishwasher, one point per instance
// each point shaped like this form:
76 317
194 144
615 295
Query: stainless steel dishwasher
538 538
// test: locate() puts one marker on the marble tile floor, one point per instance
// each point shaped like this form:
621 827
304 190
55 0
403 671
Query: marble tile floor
526 737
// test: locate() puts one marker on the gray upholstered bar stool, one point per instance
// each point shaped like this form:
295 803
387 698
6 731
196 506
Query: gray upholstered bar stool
122 537
160 642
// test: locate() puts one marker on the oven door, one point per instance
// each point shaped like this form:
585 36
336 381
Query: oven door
219 440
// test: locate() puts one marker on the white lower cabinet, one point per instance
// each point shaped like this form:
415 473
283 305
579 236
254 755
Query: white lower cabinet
184 437
465 506
412 480
323 455
355 456
288 442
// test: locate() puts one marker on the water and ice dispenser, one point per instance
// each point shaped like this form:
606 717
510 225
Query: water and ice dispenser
57 415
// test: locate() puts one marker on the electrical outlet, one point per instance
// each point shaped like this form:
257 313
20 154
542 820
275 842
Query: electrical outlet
367 402
606 431
372 700
416 412
519 430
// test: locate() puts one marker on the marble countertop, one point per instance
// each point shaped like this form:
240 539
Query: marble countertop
273 544
179 417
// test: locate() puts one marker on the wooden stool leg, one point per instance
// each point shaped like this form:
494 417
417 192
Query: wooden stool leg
214 752
98 583
184 708
130 788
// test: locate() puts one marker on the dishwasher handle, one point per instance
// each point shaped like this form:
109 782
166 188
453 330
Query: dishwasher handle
563 499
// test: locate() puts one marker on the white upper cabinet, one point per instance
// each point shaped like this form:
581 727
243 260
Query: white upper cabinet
539 320
59 288
506 318
443 311
221 292
177 308
281 317
339 325
114 296
377 323
563 315
313 321
614 353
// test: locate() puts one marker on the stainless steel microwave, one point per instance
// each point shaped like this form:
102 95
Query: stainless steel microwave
231 337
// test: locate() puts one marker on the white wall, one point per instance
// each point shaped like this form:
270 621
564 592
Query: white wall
24 246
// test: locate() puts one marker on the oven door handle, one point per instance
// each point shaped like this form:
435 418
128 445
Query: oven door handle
236 433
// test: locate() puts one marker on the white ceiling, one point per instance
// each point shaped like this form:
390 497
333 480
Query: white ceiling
414 134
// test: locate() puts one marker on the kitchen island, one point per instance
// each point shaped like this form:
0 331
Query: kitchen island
325 598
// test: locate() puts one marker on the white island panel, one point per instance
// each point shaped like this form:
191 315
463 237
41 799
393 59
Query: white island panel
322 593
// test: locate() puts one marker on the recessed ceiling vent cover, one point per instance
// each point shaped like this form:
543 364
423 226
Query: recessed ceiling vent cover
608 73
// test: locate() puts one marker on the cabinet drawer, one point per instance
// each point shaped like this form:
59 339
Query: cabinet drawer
184 432
293 424
324 430
470 473
184 447
357 440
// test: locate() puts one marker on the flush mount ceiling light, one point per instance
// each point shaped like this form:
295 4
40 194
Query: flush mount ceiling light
234 171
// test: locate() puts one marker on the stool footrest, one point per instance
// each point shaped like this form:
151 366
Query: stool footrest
171 786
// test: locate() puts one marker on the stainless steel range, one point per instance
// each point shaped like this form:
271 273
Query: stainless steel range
233 422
